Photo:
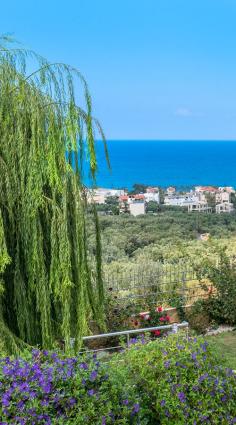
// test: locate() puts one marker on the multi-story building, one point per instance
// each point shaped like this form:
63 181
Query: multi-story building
170 191
222 197
181 200
199 207
152 194
224 207
132 204
99 195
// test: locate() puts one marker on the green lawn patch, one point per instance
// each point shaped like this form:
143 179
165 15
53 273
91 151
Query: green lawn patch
225 345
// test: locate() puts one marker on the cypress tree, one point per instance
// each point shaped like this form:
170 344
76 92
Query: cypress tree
47 291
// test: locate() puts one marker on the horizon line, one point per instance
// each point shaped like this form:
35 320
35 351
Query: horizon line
168 140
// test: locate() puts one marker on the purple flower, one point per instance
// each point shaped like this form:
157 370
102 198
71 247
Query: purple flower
167 413
72 401
162 403
136 408
203 377
93 375
181 397
91 392
83 366
180 347
167 364
125 402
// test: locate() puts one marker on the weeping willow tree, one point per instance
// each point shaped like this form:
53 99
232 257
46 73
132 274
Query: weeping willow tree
47 290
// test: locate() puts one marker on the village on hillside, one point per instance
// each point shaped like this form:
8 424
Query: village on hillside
206 199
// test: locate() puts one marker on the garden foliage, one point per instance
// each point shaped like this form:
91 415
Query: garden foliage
46 291
220 303
173 380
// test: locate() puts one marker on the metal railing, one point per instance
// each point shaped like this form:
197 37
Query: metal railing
172 327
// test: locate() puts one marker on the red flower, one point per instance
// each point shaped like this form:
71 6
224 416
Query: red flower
162 319
167 318
157 332
159 309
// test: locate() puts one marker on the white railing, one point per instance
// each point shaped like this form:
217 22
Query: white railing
173 328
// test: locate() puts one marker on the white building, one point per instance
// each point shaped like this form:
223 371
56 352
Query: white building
99 195
222 197
199 207
228 189
152 196
133 204
137 208
170 191
224 207
180 200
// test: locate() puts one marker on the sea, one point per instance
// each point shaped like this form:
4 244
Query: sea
182 164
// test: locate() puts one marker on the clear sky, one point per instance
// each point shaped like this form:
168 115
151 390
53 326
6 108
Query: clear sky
157 69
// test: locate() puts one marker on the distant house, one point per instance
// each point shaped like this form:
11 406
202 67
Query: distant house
170 191
133 204
99 195
228 189
222 197
180 200
124 204
224 207
199 207
207 189
152 194
204 237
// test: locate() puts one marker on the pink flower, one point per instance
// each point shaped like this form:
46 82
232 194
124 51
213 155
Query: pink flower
162 319
167 318
159 309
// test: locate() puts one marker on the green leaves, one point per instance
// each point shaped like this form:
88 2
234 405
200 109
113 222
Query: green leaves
49 293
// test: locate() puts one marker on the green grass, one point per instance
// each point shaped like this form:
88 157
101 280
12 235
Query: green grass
225 345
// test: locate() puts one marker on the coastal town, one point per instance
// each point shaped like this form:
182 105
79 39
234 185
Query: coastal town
204 199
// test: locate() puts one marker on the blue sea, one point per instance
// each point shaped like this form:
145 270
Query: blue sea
167 163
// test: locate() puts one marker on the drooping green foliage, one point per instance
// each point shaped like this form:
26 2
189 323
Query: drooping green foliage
45 138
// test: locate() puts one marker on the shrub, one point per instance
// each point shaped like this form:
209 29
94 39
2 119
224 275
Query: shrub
221 304
198 316
174 380
45 389
155 317
181 382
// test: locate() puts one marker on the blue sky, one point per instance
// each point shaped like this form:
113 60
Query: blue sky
157 69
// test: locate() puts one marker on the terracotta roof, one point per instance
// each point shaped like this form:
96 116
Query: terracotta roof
208 189
152 189
139 196
123 198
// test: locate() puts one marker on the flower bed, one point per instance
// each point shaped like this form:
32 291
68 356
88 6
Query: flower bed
46 389
174 380
182 382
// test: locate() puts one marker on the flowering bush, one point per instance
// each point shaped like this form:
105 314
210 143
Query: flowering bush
181 382
171 381
46 389
155 317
